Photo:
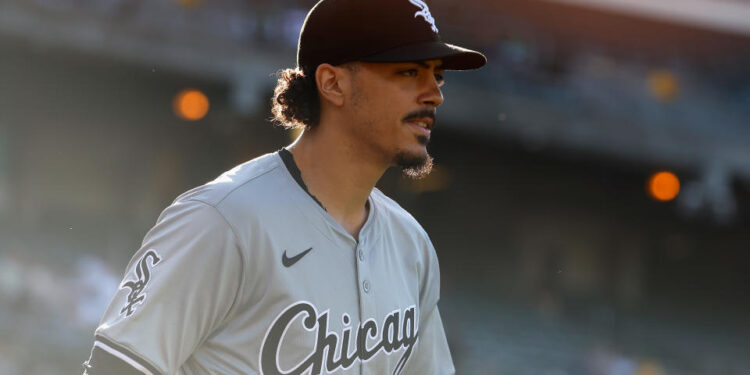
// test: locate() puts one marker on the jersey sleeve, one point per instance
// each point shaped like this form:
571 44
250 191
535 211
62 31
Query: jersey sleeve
431 355
178 288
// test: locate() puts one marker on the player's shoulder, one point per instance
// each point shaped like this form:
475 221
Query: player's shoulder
252 176
395 214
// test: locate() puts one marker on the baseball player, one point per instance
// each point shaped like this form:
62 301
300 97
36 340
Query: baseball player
294 263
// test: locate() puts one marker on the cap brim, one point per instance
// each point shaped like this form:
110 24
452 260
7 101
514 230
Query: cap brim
454 57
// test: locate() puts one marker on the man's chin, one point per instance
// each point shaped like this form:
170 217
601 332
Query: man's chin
414 165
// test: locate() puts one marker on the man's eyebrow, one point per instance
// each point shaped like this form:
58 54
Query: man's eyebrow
425 65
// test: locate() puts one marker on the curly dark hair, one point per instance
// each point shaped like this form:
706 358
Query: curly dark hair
295 103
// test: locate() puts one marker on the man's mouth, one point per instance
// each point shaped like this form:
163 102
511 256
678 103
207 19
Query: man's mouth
421 127
423 118
422 122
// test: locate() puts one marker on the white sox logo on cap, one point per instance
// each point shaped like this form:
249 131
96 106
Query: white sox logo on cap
340 31
424 13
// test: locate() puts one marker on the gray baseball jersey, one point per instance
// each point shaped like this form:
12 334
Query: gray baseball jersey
249 275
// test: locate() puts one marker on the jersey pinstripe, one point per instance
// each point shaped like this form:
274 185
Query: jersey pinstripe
249 275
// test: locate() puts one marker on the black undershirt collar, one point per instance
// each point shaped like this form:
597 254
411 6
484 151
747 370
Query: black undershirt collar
291 166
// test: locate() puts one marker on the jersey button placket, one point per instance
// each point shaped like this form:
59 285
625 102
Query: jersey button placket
367 308
365 285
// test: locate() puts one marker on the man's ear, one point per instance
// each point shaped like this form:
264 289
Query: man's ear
332 82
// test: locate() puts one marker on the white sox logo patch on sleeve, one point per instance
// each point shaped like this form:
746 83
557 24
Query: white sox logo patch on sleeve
397 332
143 275
424 13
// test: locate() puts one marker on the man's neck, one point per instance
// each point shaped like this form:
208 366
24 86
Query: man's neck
337 175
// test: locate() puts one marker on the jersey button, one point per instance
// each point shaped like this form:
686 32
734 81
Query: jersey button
366 286
361 254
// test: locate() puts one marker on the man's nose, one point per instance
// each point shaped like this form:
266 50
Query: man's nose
432 95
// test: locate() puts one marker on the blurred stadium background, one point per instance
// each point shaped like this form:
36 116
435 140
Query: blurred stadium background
562 250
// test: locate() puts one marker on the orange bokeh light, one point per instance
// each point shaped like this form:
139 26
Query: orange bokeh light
664 85
190 105
664 186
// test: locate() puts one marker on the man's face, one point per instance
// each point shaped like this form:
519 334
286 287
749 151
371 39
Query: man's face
392 107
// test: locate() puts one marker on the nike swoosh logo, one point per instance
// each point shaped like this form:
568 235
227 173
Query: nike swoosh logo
288 262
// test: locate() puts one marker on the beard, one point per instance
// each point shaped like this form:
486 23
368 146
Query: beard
415 166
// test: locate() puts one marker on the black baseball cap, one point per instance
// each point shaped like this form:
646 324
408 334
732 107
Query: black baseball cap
340 31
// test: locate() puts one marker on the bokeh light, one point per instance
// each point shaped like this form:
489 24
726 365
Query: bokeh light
190 105
663 85
664 186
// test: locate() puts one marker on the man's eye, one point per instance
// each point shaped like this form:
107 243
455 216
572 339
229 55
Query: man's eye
410 72
439 79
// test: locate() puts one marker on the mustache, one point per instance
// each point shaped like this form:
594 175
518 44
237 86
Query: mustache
426 112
